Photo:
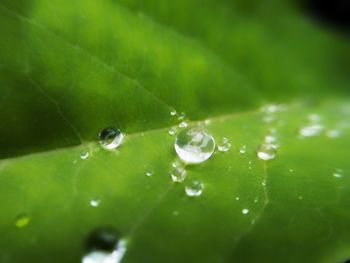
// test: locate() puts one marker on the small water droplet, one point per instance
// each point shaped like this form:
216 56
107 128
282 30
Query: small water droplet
224 145
300 197
245 211
270 139
333 133
104 246
291 170
183 124
256 200
243 149
311 130
313 117
149 173
173 112
338 173
22 220
95 202
178 174
207 122
182 116
194 189
194 145
237 198
263 183
172 130
110 138
266 151
84 155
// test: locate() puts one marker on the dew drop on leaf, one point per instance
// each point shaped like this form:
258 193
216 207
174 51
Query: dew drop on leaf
333 133
194 189
183 124
149 173
182 116
194 145
338 173
245 211
243 149
224 145
84 155
178 174
104 246
110 138
172 130
311 130
95 202
22 220
173 112
266 151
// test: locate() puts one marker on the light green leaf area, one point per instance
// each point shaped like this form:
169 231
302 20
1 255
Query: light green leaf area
71 68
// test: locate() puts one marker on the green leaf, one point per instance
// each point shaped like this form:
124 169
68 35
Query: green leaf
71 68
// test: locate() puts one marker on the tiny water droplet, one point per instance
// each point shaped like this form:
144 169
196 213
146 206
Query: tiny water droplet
243 149
149 173
313 117
338 173
194 145
183 124
172 130
182 116
224 145
110 138
291 170
273 108
270 139
104 246
95 202
333 133
194 189
266 151
311 130
263 183
178 174
237 198
22 220
256 200
84 155
245 211
300 197
207 122
173 112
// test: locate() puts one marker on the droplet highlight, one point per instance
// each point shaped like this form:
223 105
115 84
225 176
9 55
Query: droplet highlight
224 145
194 145
194 189
84 155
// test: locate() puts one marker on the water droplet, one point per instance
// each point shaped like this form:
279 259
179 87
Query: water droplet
178 174
194 145
266 151
273 108
291 170
311 130
256 200
149 173
263 183
245 211
195 188
22 220
173 112
207 122
111 138
333 133
95 202
270 139
313 117
243 149
338 173
182 116
172 130
84 155
183 124
237 198
104 246
224 145
300 197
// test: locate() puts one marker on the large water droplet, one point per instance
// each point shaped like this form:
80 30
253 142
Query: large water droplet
111 138
22 220
266 151
194 189
178 174
194 145
224 145
311 130
104 246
